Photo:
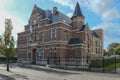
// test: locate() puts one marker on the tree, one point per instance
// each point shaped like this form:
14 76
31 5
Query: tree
7 42
105 53
111 48
117 50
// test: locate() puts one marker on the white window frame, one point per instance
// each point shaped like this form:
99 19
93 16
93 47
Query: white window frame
53 33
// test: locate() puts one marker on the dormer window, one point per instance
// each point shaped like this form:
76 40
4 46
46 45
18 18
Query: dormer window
64 20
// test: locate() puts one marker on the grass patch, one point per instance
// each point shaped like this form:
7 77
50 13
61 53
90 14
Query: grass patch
118 65
111 67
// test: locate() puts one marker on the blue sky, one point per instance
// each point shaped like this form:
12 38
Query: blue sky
103 14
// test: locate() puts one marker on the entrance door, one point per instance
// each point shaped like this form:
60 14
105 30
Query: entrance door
34 56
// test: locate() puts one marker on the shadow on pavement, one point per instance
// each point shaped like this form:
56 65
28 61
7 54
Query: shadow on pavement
17 76
3 77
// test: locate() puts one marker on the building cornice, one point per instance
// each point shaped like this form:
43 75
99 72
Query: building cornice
44 19
76 44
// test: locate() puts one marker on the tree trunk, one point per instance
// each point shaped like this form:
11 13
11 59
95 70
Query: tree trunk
8 63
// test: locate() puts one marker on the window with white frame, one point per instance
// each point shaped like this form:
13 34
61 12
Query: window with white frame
53 33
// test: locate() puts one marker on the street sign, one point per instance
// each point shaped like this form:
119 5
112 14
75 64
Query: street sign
40 53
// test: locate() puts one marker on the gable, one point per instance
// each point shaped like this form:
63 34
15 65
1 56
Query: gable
37 13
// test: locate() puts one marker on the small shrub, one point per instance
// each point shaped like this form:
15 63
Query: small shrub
96 63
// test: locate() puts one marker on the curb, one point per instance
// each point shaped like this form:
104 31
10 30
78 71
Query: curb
48 69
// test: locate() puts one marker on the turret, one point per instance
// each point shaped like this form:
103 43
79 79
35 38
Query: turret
77 18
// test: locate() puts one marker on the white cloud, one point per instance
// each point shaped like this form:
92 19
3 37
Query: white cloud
100 7
103 9
111 30
3 2
110 14
70 14
18 23
107 13
67 3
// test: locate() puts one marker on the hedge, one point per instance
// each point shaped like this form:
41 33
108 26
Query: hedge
98 63
12 59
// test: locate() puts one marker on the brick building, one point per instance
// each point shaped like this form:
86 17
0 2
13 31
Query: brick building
51 35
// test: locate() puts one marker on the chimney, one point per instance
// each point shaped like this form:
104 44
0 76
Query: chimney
54 10
48 13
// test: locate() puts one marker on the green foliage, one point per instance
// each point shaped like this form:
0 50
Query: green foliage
2 45
12 59
7 42
109 68
111 48
117 50
106 53
96 63
2 58
108 64
117 60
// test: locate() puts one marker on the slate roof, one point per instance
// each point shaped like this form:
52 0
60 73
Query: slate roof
77 11
83 28
94 33
41 11
48 14
55 17
61 17
75 41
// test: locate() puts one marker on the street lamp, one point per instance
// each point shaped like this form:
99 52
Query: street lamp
7 55
115 62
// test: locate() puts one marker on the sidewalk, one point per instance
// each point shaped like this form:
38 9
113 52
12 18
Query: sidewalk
46 68
10 75
4 75
35 72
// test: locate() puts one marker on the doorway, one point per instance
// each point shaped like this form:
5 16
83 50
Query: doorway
34 51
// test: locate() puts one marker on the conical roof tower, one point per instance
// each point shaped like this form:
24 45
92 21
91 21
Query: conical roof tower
77 18
77 11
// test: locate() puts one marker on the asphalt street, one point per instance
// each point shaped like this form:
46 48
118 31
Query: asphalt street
18 73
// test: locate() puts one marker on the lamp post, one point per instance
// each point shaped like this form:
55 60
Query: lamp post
7 58
114 59
115 62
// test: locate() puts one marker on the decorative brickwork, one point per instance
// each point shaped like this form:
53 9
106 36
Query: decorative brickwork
56 36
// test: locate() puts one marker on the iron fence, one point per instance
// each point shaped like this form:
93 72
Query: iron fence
103 64
97 64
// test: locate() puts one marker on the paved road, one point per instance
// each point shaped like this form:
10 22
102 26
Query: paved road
18 73
118 70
